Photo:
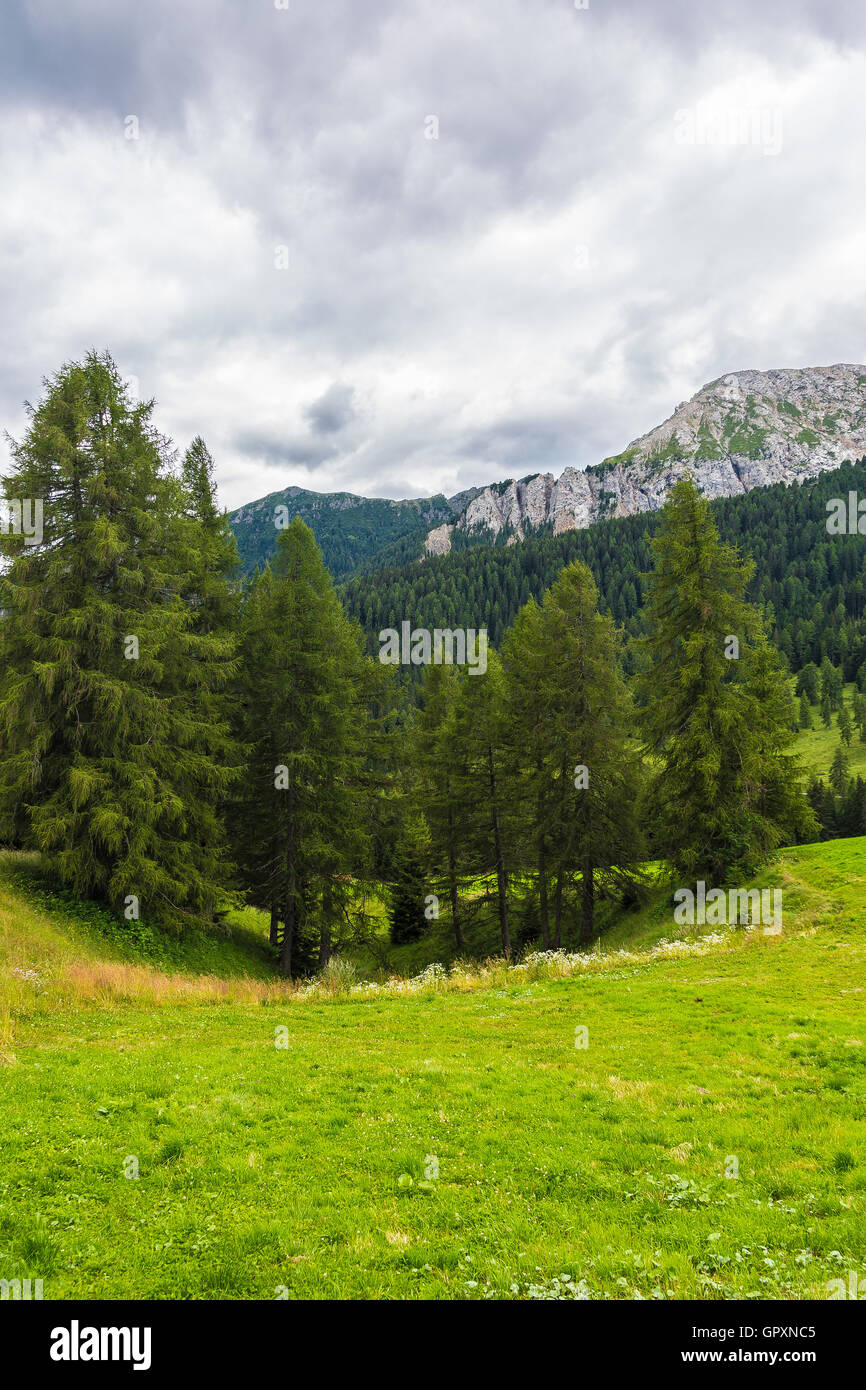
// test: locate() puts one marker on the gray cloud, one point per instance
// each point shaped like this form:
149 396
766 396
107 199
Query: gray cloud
333 411
542 282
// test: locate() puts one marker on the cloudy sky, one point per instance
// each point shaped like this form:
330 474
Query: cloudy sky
402 248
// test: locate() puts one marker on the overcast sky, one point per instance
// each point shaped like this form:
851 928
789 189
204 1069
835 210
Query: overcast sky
402 248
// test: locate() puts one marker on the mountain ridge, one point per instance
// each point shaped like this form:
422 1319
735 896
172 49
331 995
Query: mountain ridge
745 429
742 430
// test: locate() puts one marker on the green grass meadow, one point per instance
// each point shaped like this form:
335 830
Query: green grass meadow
707 1143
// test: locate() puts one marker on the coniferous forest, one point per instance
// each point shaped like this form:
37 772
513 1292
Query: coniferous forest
178 739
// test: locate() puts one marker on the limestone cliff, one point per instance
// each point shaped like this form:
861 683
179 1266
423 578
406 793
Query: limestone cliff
748 429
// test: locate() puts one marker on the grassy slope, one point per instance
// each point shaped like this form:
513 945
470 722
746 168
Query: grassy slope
45 929
816 746
264 1168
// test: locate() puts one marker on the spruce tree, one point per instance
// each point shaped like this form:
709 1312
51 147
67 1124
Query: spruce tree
213 585
838 775
845 726
526 659
808 682
831 683
772 776
410 886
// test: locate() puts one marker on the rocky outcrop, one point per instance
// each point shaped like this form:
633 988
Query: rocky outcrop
516 507
747 429
438 540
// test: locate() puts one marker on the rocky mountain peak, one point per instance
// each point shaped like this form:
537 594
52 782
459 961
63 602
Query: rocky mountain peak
745 429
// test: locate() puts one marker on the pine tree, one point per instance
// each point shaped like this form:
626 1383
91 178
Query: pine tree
525 659
781 813
831 683
805 712
808 682
112 756
716 723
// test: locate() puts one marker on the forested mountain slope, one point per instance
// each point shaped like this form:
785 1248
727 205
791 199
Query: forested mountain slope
746 430
814 581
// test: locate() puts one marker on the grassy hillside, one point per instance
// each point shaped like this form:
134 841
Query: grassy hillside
55 932
816 746
309 1169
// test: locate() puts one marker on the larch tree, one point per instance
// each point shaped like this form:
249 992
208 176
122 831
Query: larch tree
718 716
432 752
571 715
113 759
484 772
298 824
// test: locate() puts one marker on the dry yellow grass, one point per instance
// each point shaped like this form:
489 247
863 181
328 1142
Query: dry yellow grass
112 982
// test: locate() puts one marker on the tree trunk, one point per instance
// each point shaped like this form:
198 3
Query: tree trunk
501 876
543 914
289 918
557 910
587 905
325 935
455 900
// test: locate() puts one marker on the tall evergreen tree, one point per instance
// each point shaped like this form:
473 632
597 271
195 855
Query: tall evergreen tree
845 726
298 820
212 557
808 683
571 710
838 775
539 764
440 785
717 718
831 683
481 753
410 885
112 758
